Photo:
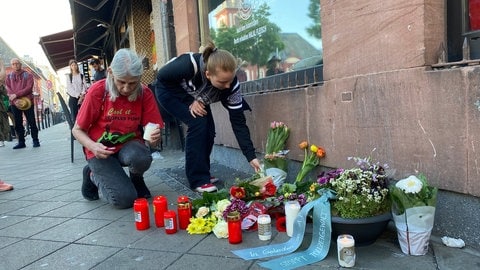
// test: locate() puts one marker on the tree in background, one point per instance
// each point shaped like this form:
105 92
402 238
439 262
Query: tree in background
264 38
315 29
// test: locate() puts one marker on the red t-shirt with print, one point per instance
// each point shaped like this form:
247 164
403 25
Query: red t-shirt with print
115 123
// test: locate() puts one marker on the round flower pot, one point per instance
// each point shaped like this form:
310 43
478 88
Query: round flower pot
365 231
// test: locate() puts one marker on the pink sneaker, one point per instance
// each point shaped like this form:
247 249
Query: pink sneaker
4 186
214 179
206 188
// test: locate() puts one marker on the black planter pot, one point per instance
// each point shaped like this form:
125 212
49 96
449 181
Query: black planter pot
365 231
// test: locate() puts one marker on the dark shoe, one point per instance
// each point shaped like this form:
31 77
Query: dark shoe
142 190
36 144
19 146
89 190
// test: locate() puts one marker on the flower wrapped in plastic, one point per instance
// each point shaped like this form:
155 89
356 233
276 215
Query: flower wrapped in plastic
312 157
413 210
275 163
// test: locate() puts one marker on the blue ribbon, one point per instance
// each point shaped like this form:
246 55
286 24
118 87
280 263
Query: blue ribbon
318 248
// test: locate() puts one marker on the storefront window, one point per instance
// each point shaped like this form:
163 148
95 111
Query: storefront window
268 37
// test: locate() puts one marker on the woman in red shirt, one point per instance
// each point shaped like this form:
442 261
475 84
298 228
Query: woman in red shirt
110 127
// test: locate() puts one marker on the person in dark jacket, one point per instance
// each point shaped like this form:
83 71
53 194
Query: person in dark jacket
185 87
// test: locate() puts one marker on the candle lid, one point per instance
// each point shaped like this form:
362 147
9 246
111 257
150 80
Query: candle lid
182 199
233 216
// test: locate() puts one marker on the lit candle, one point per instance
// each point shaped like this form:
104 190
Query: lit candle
346 250
291 212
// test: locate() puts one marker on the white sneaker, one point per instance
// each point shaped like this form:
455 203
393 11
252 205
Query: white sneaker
206 188
2 144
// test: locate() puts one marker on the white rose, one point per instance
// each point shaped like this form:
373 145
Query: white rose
202 211
221 229
222 205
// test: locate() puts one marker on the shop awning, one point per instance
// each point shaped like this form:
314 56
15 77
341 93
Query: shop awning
92 27
59 48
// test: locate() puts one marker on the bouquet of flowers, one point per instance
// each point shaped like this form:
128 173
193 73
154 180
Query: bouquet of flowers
208 215
311 159
413 212
275 160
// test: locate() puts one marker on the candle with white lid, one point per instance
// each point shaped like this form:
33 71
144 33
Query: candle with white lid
291 212
346 250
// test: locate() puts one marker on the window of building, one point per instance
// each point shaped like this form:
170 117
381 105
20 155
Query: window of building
268 37
463 22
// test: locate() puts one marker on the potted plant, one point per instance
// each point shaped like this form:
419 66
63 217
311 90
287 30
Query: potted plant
413 209
362 205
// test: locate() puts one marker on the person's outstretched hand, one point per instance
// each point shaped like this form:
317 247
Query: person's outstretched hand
255 164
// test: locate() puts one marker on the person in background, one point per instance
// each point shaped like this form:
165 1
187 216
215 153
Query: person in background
185 87
110 126
76 88
4 125
241 73
4 104
19 84
99 71
273 66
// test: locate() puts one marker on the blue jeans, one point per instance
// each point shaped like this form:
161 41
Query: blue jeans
114 185
199 139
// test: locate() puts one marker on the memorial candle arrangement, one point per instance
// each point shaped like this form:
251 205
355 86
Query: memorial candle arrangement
291 212
160 205
264 227
234 228
184 209
346 250
141 212
170 220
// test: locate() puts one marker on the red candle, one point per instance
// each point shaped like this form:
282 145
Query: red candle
184 209
160 205
142 219
170 220
234 228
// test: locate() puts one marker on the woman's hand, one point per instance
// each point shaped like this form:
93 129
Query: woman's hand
101 151
197 108
255 164
155 137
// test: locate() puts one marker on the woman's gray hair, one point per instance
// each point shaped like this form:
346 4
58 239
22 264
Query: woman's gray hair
125 63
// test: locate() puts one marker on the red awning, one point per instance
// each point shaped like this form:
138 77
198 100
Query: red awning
59 48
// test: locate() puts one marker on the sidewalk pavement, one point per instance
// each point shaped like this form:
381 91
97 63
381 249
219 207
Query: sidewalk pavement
46 224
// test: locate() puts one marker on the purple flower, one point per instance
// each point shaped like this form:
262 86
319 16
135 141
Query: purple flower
325 177
236 205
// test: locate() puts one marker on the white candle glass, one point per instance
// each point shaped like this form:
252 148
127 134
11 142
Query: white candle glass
346 250
148 130
264 227
291 212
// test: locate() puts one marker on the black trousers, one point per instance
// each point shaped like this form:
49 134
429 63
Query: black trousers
19 128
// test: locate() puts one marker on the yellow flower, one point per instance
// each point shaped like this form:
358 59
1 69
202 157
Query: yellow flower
201 225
